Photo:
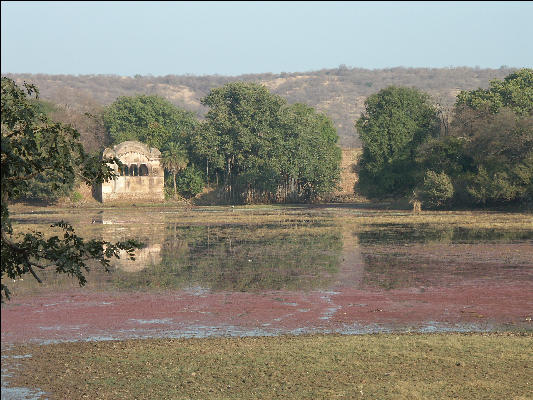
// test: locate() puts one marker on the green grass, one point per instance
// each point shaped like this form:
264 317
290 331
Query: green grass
405 366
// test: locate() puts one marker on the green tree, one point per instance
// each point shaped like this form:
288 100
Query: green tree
190 182
501 147
436 190
488 152
265 149
48 185
205 144
313 157
496 127
148 119
31 146
244 121
395 122
446 154
174 159
514 92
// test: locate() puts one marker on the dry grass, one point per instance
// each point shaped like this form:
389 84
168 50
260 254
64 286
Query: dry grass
431 366
348 174
281 214
464 219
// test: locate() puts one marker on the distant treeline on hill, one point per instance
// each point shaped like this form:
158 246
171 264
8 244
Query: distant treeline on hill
340 92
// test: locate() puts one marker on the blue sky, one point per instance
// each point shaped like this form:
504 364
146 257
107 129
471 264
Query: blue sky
233 38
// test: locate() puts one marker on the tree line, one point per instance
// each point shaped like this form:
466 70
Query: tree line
251 147
477 153
252 144
338 92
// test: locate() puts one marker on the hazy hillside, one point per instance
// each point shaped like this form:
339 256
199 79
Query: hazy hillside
339 92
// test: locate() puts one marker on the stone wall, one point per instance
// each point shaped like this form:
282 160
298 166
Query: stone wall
141 177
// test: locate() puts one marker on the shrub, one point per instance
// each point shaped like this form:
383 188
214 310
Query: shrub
437 189
76 197
169 192
46 187
190 182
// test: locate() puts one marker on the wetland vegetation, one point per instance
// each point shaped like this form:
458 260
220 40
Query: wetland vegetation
297 249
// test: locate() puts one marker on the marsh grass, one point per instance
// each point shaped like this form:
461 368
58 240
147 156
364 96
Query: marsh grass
386 366
279 213
460 219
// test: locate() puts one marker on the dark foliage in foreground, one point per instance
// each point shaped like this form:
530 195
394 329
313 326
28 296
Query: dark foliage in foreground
32 147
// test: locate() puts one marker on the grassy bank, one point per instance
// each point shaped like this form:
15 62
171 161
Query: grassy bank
430 366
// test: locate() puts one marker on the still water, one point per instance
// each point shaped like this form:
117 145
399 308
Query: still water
295 248
274 270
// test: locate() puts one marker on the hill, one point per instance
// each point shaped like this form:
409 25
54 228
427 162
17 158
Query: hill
340 92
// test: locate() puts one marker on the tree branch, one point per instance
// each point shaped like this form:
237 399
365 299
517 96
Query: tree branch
34 274
10 243
39 266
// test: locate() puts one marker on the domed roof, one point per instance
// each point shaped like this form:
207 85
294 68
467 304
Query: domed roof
132 146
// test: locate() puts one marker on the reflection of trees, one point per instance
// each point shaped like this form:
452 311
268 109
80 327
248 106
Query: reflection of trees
418 255
241 258
306 256
425 233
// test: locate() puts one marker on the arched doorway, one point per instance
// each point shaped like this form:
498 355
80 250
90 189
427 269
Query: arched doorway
143 170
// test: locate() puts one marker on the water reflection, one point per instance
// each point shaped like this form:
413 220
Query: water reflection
296 250
352 265
319 254
240 258
425 233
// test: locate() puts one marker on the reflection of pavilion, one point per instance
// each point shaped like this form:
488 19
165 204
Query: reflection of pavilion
116 228
140 178
145 257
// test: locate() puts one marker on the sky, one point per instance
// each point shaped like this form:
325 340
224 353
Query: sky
234 38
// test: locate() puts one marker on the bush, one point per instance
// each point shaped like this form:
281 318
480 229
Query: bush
190 182
500 187
436 190
76 197
46 187
169 191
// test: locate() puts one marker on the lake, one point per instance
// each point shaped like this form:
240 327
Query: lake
270 270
